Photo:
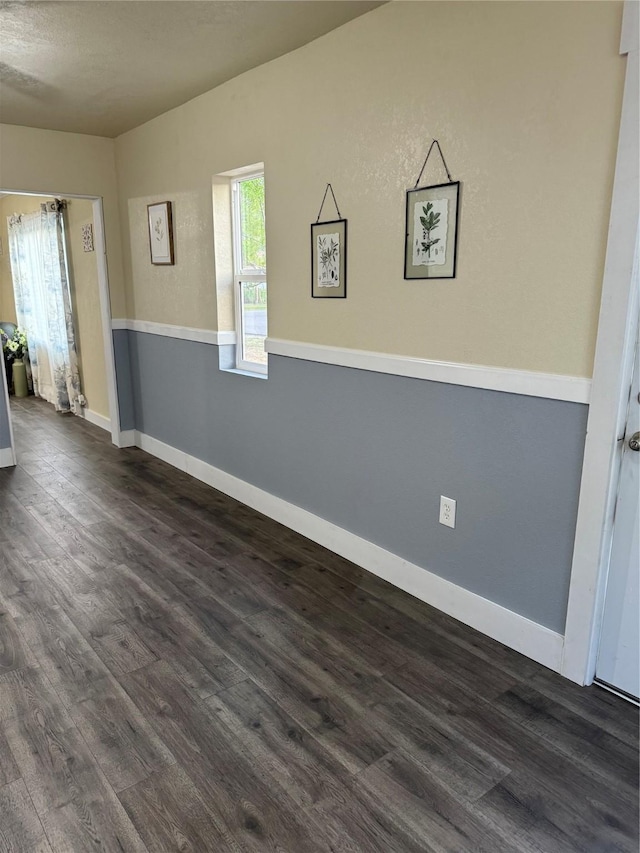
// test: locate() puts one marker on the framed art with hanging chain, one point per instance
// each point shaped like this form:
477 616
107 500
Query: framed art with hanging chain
329 255
431 234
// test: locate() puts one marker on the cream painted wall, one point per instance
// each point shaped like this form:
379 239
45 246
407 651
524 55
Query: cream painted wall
7 302
525 99
182 294
83 274
56 163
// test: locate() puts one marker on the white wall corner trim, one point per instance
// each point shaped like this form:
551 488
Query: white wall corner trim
7 457
617 327
552 386
105 319
630 36
96 419
525 636
127 438
185 333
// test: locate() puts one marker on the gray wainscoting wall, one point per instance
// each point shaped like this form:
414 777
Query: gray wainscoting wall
122 360
372 453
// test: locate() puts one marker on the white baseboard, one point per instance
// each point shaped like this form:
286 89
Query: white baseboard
96 419
531 639
7 457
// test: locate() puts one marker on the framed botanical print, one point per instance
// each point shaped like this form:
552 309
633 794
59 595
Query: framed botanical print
329 259
160 232
431 239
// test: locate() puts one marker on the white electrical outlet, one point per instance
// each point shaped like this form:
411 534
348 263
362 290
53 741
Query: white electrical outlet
447 511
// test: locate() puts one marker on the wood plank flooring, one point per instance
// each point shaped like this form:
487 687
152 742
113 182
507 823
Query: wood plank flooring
180 673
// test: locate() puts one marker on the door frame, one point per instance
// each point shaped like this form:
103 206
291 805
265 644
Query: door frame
105 309
617 330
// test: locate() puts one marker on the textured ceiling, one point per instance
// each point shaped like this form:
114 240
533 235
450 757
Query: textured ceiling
104 67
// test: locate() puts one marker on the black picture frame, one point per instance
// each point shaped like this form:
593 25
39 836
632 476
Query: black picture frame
160 222
436 259
322 286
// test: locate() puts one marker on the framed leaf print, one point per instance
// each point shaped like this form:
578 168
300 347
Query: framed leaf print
431 240
160 232
329 259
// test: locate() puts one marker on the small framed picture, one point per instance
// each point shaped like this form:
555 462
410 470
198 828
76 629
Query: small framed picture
160 232
87 237
431 241
329 259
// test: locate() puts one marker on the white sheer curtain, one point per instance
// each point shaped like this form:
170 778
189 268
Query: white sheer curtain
43 304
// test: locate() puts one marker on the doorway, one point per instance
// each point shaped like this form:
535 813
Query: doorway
89 290
618 665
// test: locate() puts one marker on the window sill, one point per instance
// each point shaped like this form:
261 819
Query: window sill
248 373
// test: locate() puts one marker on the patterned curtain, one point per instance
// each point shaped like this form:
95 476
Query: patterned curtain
43 304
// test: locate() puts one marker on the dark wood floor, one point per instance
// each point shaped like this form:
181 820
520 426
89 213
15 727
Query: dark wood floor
178 672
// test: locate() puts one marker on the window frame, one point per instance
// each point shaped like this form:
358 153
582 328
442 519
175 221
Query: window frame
240 277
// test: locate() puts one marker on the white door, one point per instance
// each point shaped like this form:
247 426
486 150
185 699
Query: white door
618 658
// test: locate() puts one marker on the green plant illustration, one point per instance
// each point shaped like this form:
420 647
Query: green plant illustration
430 222
328 257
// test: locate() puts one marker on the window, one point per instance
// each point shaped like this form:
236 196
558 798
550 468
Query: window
249 271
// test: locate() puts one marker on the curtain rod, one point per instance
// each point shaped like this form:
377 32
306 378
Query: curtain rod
55 206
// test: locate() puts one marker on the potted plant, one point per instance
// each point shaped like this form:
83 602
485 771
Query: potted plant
14 348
